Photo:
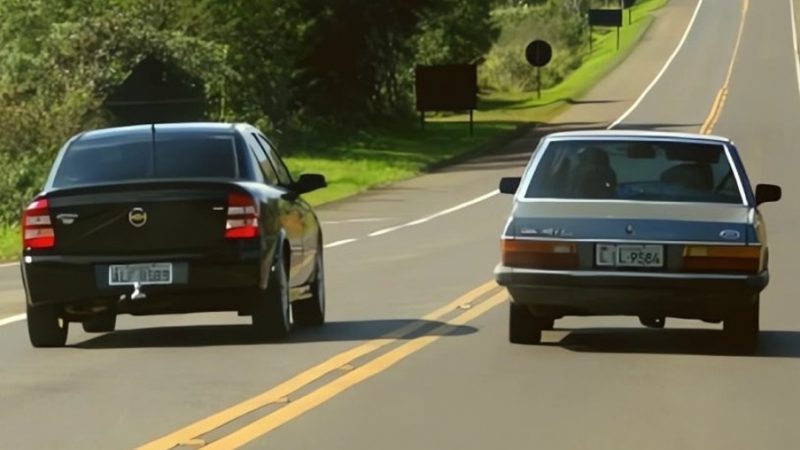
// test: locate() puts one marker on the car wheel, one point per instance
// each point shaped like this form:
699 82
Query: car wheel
103 323
524 327
45 327
741 328
271 315
311 311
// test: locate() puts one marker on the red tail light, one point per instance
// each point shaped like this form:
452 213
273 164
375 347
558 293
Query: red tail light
539 254
37 229
242 222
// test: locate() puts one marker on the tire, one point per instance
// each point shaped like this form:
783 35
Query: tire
311 311
524 327
271 314
741 327
102 323
45 327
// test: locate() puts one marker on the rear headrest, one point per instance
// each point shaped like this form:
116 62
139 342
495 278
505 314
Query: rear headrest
690 175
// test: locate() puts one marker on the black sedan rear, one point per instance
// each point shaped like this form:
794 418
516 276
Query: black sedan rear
168 219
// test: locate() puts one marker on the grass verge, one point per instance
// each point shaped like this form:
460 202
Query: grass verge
9 243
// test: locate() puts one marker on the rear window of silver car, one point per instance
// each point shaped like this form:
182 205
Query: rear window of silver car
635 170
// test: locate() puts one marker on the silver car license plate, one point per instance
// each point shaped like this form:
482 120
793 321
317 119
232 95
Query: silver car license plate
129 274
629 255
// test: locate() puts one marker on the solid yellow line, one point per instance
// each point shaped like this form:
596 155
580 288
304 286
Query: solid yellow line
722 95
304 404
304 378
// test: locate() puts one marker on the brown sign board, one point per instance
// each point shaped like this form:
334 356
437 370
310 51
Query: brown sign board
451 87
628 3
605 17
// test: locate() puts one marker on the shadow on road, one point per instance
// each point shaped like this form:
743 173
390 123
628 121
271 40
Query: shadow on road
772 344
222 335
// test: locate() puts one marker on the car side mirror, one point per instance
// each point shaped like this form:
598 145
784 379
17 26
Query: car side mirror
309 182
509 185
766 193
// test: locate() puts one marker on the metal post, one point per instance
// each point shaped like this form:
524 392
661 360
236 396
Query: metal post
630 16
591 31
618 38
471 126
539 82
422 119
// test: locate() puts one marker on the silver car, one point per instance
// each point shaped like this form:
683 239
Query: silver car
643 224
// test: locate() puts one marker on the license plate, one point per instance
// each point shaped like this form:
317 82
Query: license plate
129 274
626 255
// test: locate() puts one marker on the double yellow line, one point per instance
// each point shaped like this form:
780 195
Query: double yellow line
475 303
722 94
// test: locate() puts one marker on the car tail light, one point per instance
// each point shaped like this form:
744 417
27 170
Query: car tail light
710 258
37 228
539 254
242 222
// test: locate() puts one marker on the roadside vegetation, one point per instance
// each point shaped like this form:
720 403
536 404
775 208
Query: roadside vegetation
333 86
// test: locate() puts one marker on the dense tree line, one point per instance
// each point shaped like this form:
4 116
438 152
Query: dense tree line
278 63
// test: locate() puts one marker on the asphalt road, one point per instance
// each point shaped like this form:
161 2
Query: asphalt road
449 378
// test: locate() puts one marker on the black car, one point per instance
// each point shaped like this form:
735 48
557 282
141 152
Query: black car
171 218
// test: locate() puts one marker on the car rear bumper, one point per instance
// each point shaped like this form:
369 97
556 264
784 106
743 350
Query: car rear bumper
703 296
199 282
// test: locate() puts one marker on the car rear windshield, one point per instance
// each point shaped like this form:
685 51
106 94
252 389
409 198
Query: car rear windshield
137 157
635 170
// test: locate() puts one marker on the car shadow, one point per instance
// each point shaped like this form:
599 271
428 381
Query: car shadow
228 335
709 342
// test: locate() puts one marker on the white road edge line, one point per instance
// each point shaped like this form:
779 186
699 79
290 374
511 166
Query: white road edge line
663 69
340 222
437 215
340 243
794 41
12 319
11 264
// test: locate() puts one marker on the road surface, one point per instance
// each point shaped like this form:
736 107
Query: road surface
416 354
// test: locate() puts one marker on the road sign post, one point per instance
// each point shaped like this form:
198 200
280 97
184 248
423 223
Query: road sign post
538 53
451 87
605 18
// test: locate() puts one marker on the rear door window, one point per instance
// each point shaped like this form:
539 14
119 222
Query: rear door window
263 160
283 172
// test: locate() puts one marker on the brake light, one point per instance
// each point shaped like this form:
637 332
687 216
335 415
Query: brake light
37 229
709 258
539 254
242 222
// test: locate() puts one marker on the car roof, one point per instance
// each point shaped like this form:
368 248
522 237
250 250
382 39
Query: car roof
636 134
189 127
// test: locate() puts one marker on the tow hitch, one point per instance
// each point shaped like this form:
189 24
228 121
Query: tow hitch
137 293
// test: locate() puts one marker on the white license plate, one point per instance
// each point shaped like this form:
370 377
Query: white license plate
151 273
629 255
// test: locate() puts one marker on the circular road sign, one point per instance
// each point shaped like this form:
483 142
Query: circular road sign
538 53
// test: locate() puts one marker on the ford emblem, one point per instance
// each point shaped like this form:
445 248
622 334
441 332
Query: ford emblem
730 234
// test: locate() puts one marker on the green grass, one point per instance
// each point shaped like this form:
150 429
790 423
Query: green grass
9 242
355 162
381 156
